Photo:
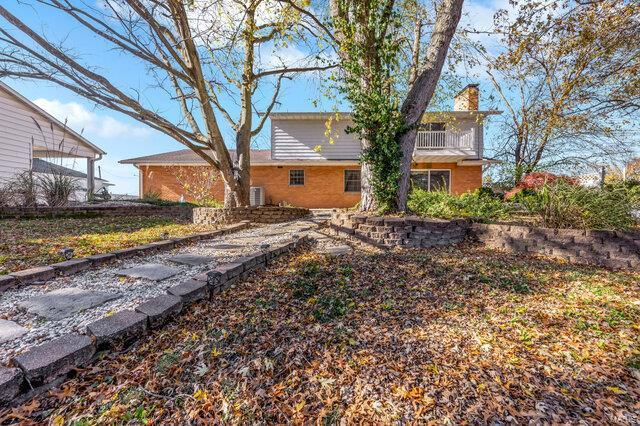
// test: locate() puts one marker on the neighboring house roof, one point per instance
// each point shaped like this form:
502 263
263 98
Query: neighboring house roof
39 110
41 166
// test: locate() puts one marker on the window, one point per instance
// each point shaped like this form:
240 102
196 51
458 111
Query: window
296 177
431 180
352 181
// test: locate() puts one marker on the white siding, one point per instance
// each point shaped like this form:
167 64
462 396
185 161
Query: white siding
298 139
17 130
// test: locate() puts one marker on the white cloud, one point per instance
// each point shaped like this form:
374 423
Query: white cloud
84 121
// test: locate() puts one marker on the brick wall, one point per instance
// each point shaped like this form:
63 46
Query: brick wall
399 231
612 249
163 180
323 186
174 212
211 216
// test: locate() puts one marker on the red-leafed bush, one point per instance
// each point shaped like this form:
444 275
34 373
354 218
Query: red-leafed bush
537 180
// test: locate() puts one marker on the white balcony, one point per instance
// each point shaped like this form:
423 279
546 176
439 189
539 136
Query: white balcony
439 140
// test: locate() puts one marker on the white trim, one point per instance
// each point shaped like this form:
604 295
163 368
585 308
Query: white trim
347 163
344 115
482 162
429 179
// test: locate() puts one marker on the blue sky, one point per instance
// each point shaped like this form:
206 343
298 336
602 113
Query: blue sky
122 137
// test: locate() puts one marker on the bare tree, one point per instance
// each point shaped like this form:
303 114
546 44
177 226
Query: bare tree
204 57
569 83
423 87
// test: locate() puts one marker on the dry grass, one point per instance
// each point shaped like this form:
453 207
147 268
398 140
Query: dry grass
27 243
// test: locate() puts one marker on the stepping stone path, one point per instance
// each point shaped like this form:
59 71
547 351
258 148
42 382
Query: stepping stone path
59 304
9 330
191 259
338 250
68 304
149 271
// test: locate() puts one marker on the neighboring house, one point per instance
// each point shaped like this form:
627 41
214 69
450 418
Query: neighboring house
314 163
22 142
41 167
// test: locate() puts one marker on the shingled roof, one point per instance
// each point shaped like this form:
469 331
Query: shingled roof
187 156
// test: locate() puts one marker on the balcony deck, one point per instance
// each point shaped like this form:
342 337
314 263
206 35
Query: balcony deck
446 145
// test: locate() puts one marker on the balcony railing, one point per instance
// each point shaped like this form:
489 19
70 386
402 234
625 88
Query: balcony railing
435 140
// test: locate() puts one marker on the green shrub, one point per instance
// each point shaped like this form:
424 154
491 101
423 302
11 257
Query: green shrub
153 197
481 203
562 205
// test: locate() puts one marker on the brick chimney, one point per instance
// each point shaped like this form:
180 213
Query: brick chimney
467 99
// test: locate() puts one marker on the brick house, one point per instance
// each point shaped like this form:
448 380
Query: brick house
314 163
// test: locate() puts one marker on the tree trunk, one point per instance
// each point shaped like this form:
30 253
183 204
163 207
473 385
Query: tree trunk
367 199
423 88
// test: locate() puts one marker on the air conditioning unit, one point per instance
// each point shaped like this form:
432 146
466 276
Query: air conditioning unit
256 196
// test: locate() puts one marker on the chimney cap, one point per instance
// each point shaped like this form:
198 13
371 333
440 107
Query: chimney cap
474 85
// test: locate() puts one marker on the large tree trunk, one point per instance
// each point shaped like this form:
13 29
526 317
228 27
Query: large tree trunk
423 88
367 199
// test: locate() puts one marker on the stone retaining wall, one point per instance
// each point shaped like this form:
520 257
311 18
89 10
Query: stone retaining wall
213 216
399 231
182 212
40 274
611 249
47 365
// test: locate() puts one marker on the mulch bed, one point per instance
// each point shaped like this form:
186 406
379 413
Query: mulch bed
442 335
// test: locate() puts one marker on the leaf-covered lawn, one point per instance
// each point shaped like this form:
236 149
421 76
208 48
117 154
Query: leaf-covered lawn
442 336
36 242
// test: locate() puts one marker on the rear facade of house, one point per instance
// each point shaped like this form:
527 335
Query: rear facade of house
313 162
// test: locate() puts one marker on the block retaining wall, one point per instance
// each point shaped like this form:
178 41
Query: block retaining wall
399 231
213 216
611 249
174 212
45 366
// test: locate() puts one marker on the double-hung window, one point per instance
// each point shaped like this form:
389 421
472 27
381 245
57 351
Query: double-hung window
352 181
296 177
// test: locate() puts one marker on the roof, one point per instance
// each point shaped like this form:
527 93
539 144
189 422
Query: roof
39 110
187 156
344 115
41 166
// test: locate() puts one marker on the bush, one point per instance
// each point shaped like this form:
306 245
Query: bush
6 195
562 205
56 188
24 189
481 203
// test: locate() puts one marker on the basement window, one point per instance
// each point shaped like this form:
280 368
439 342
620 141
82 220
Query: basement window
352 181
296 177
